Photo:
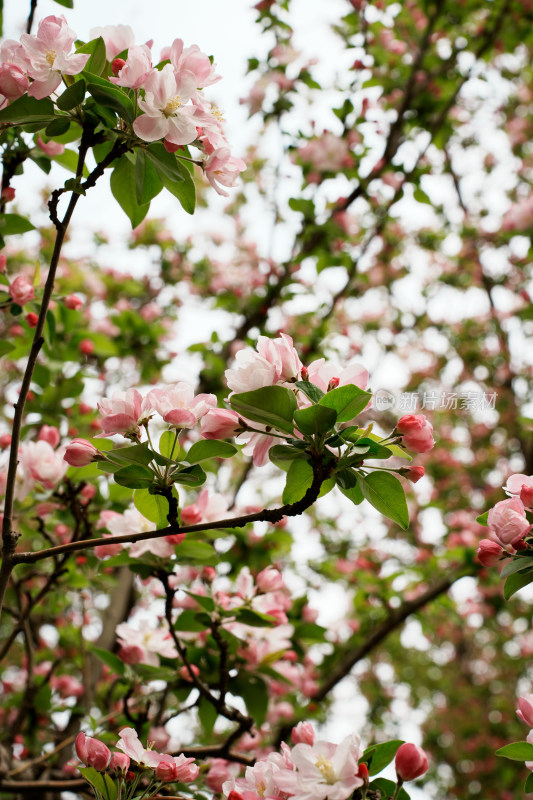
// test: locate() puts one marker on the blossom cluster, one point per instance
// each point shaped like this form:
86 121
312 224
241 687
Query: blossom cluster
171 98
507 521
165 768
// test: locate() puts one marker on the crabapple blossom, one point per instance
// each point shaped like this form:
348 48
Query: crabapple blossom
153 642
191 59
123 412
303 733
220 423
49 56
521 485
416 432
21 290
80 452
117 38
136 68
130 745
43 463
50 148
92 752
119 764
166 115
13 81
411 762
179 406
222 169
323 770
207 508
321 372
507 523
489 552
281 353
250 371
49 434
524 711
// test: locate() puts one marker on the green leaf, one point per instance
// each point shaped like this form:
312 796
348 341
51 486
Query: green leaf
136 454
175 177
189 620
385 492
27 109
197 551
96 48
152 506
516 582
152 673
100 781
189 476
310 632
271 405
207 714
168 445
66 3
375 450
310 390
387 789
517 751
5 348
57 127
73 96
111 97
254 618
14 223
528 786
315 419
379 755
348 401
516 565
299 479
147 182
110 659
210 448
483 518
282 454
123 189
255 695
69 160
354 494
205 602
134 477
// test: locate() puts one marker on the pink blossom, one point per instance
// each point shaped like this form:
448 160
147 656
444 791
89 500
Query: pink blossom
73 302
49 434
411 762
50 148
21 290
92 752
489 553
191 59
129 743
257 445
165 114
250 371
133 521
327 153
13 81
220 423
176 768
43 463
507 523
524 711
80 452
117 38
119 764
123 413
323 770
48 55
321 372
223 168
416 432
67 686
303 733
208 508
521 485
179 406
136 68
282 354
270 579
154 642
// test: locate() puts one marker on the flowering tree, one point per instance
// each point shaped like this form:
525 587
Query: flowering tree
196 572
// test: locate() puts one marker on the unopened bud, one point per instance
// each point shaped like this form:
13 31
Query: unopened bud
116 65
334 382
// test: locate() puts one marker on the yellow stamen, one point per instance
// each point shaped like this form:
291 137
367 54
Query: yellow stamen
51 57
172 106
326 768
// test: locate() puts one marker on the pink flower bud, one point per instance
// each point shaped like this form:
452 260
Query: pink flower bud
414 474
80 452
411 762
130 653
334 382
220 423
8 194
303 733
526 496
507 523
32 319
21 290
185 674
98 755
3 262
166 771
209 574
304 374
524 711
49 434
73 301
116 65
489 553
80 746
269 580
364 773
86 346
416 432
119 763
5 440
13 82
170 147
